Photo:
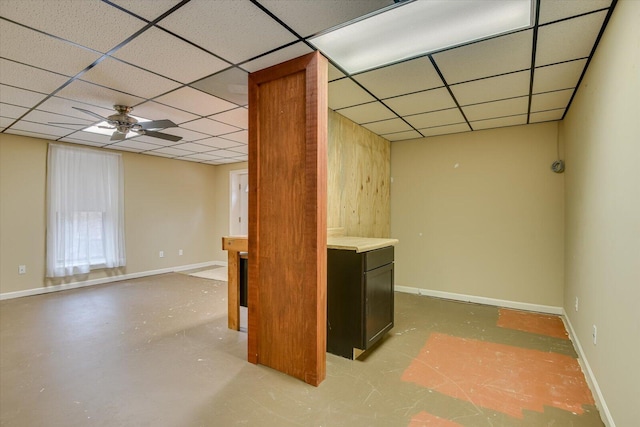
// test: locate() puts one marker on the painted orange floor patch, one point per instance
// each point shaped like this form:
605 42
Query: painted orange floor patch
425 419
500 377
536 323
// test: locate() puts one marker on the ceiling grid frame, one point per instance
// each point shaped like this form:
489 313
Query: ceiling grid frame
25 115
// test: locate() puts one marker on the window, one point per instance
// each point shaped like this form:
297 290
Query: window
85 218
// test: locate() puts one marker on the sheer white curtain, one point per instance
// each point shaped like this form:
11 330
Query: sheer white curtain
85 210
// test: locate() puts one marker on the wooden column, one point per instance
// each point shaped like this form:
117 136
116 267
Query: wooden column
288 217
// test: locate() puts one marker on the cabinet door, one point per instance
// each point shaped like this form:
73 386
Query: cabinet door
378 303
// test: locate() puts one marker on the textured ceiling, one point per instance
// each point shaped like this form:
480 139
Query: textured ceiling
188 61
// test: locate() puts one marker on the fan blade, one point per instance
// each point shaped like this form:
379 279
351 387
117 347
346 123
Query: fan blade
91 113
117 136
70 124
161 135
157 124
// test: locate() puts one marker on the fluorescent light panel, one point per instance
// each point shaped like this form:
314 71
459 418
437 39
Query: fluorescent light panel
419 27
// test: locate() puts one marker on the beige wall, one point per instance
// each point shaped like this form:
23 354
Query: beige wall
480 214
358 179
169 205
602 138
22 207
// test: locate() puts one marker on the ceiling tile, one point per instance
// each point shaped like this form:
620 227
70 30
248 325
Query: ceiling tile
491 57
559 76
186 134
488 110
371 112
238 117
150 9
210 127
16 96
193 146
551 100
129 79
400 79
89 93
200 156
158 154
13 131
81 142
421 102
242 149
334 73
552 10
279 56
242 136
445 130
93 24
345 93
11 111
56 131
195 101
73 123
388 126
566 40
5 122
158 142
493 88
231 85
154 111
91 137
400 136
170 151
44 51
501 122
217 142
308 17
546 116
157 51
63 106
224 153
30 78
133 144
236 30
436 118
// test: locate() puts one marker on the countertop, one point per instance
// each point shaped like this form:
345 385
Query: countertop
358 244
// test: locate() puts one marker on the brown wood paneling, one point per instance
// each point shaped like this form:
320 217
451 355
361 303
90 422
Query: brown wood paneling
287 217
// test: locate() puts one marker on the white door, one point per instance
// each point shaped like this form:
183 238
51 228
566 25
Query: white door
243 215
239 203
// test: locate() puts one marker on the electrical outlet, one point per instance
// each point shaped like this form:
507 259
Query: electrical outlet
180 252
22 269
161 254
576 303
595 334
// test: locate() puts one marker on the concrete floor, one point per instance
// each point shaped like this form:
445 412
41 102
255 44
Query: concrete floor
156 352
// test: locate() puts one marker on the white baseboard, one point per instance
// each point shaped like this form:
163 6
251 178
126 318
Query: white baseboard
481 300
92 282
605 415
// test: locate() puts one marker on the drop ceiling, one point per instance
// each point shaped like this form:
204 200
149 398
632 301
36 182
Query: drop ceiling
188 61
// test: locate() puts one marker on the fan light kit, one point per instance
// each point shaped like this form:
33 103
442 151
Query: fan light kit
122 123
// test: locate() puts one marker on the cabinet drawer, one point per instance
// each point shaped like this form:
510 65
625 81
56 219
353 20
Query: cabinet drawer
378 257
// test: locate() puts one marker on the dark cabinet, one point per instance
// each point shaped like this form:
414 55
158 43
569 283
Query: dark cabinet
359 299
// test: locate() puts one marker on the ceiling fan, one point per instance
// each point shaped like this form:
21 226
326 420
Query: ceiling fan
122 123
